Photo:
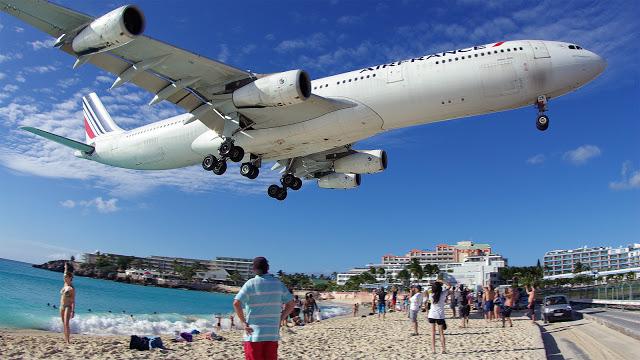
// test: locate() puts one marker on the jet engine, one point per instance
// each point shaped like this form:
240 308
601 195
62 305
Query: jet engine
280 89
339 181
109 31
362 162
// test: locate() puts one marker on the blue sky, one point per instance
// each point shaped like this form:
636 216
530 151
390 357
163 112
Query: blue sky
491 178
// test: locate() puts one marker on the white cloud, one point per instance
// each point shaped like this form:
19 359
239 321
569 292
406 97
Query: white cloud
582 154
223 54
2 75
41 44
41 69
66 83
101 205
18 29
630 178
104 79
536 159
10 56
20 78
70 204
10 88
314 42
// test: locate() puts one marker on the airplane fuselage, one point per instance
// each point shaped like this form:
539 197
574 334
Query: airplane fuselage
430 88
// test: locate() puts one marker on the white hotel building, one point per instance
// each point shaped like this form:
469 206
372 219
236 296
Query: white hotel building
603 260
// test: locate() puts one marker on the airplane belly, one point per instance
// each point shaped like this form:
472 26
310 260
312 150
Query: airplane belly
326 132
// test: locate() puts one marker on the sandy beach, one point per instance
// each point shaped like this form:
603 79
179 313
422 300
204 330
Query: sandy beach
337 338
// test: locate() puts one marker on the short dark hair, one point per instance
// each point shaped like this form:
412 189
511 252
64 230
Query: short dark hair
260 265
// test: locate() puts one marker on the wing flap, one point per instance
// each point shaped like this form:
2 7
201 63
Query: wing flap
61 140
53 19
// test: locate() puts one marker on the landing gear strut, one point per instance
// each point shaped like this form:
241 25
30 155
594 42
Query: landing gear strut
542 121
288 181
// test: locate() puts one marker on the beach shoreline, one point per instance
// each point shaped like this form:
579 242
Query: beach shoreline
336 338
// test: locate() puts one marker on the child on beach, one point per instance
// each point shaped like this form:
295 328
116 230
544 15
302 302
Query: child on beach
67 302
465 306
355 309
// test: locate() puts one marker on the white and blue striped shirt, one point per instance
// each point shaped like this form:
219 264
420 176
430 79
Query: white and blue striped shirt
262 298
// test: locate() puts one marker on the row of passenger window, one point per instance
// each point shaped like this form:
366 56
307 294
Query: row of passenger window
437 62
149 129
481 54
345 81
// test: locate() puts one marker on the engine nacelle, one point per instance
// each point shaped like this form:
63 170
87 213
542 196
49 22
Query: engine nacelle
339 181
281 89
362 162
109 31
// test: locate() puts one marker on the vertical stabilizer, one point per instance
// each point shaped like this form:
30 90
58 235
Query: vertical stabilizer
97 120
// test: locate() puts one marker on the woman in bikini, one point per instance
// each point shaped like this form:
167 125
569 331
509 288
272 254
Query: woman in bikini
67 303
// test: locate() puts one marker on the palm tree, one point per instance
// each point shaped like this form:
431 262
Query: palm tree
404 276
631 276
578 268
416 269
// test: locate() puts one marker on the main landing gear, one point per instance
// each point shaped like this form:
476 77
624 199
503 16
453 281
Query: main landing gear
227 151
542 121
288 181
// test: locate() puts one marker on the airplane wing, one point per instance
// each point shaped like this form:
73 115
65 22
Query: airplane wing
61 140
173 74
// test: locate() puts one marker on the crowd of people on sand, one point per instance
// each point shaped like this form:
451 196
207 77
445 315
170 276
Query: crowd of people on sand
264 305
495 305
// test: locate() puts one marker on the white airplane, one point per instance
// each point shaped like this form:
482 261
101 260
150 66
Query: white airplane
306 126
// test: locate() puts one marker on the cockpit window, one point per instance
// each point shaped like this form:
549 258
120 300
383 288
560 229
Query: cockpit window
573 47
578 47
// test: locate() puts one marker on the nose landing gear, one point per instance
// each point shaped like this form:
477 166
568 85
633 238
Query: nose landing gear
288 181
542 121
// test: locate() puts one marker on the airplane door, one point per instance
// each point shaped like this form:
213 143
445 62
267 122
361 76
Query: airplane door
394 74
539 49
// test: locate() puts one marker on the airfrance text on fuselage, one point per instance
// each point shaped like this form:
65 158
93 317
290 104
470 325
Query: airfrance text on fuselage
425 57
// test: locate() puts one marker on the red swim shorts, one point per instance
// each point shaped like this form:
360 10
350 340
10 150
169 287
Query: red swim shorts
262 350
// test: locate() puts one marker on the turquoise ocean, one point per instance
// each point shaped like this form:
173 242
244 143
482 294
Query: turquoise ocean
103 307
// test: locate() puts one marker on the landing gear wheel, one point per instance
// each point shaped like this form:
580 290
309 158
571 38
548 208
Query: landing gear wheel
542 122
236 154
245 169
254 173
225 148
282 194
220 167
273 190
209 162
297 184
288 180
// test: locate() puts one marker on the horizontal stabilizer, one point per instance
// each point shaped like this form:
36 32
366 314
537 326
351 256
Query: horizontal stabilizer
88 149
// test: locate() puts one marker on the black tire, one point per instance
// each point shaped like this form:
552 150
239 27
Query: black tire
225 148
282 194
220 167
288 180
245 169
254 173
297 184
209 162
273 190
542 122
236 154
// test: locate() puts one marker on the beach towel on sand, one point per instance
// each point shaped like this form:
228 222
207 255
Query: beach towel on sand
145 343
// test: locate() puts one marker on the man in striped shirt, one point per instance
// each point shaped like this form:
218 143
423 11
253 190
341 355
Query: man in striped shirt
261 299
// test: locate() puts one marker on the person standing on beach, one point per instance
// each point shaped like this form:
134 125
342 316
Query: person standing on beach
381 296
261 299
394 297
465 306
531 305
67 302
498 302
487 298
415 302
437 299
508 305
454 298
